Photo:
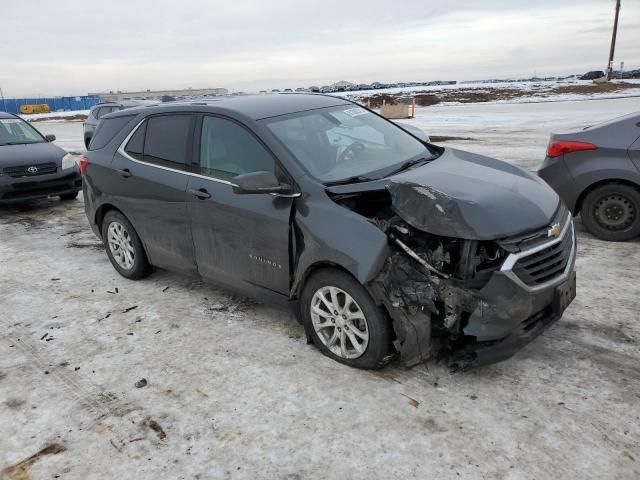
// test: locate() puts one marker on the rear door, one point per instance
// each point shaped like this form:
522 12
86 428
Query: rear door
240 240
153 168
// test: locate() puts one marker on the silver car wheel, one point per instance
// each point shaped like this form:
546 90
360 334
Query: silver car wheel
120 245
339 322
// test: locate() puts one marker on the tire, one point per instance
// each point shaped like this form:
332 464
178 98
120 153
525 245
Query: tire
69 196
339 330
612 212
134 264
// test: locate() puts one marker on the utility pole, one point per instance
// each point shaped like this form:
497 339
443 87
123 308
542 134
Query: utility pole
613 41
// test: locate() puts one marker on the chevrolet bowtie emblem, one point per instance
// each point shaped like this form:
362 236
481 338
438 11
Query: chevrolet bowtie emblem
554 231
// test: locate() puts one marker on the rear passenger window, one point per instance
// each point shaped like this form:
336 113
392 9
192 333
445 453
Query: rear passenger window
167 140
107 129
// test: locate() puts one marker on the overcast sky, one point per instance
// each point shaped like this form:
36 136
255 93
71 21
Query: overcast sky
65 47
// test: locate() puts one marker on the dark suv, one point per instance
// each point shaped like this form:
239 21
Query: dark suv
381 242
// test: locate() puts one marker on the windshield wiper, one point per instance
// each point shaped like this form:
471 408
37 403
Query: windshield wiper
408 164
347 181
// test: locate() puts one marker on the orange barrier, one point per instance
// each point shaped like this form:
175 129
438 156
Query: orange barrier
27 109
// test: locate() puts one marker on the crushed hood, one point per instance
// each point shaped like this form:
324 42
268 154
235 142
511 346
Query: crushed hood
470 196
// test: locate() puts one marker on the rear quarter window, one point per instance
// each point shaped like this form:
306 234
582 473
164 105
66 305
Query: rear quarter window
107 129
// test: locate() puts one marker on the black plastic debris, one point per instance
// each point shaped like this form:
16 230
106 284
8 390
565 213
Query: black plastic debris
141 383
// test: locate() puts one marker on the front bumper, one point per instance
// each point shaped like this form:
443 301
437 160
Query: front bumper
515 320
476 326
29 188
511 313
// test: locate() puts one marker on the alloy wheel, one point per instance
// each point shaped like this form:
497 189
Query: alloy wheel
120 245
339 322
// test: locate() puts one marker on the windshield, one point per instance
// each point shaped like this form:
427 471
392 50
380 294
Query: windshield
340 143
14 131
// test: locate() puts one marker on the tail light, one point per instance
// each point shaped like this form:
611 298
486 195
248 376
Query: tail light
84 163
562 147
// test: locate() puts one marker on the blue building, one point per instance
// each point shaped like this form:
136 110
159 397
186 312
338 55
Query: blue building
56 104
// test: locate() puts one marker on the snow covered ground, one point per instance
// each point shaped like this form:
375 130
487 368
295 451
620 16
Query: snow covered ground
233 391
57 115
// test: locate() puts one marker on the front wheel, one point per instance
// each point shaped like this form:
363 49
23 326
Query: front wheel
124 247
343 320
612 212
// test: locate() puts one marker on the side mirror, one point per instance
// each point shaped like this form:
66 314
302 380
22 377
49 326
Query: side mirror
415 131
259 182
49 138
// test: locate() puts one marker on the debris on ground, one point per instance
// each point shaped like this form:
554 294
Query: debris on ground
141 383
412 401
20 471
155 426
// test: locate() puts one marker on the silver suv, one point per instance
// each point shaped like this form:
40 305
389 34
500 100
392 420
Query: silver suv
101 109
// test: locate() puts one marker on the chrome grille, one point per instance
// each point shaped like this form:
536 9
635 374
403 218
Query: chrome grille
545 264
30 170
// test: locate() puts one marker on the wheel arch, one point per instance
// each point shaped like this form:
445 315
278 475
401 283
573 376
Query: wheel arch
325 264
102 211
599 183
312 269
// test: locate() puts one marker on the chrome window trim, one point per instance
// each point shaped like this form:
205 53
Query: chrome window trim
509 263
121 150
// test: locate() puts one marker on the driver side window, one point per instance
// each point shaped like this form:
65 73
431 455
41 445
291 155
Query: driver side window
228 149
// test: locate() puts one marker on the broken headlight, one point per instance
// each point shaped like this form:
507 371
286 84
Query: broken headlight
467 260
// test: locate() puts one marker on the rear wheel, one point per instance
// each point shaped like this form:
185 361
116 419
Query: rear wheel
124 247
612 212
69 196
343 320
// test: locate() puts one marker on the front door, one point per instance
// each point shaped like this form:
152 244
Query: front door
240 240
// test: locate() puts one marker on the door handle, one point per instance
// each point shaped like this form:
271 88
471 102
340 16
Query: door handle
125 172
201 193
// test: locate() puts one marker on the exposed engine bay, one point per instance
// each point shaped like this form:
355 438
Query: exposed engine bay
428 282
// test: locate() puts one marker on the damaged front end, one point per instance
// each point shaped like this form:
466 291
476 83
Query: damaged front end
450 296
427 286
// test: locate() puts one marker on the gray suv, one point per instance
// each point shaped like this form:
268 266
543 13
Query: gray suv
381 243
100 110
